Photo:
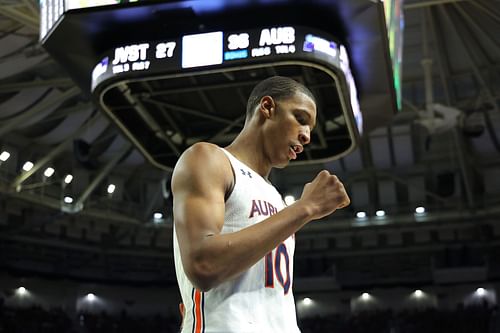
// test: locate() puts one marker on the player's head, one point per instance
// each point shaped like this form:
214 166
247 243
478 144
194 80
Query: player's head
277 87
283 113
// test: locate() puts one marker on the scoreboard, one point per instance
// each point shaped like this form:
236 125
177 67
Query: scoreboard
129 56
220 49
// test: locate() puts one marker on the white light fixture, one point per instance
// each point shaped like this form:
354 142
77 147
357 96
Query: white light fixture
68 200
380 213
48 172
111 188
90 297
68 179
4 156
418 293
289 199
361 215
365 296
157 216
420 210
27 166
480 292
307 301
21 291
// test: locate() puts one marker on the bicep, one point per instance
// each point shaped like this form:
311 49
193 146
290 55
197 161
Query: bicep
199 204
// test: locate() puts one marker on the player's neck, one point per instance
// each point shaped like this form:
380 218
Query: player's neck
248 149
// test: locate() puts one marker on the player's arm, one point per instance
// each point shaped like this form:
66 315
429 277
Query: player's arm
200 182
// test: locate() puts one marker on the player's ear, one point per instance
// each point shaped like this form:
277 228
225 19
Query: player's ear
267 107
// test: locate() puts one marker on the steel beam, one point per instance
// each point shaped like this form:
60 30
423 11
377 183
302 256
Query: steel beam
13 87
421 4
53 153
10 125
78 205
148 119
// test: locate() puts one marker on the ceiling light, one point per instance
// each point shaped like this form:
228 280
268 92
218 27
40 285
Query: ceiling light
49 172
418 293
289 199
420 210
68 200
157 216
21 291
4 156
360 215
111 188
307 301
365 296
90 297
27 166
68 179
380 213
480 292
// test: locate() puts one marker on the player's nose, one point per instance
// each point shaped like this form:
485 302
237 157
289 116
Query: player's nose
305 136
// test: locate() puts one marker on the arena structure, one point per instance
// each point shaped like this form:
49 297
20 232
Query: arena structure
409 120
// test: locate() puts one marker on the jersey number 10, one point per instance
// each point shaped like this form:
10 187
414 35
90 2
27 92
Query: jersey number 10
273 267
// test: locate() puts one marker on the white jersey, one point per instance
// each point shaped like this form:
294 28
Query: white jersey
259 300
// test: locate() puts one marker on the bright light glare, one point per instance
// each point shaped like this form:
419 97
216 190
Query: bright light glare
111 188
4 156
157 216
380 213
420 210
418 293
360 215
90 297
27 166
289 199
68 179
68 200
307 301
480 292
365 296
49 172
21 291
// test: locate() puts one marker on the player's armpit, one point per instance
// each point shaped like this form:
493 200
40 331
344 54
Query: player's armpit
199 183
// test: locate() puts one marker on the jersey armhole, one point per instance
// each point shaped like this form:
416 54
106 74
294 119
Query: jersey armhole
229 190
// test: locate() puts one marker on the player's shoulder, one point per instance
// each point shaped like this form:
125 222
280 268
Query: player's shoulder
203 152
202 156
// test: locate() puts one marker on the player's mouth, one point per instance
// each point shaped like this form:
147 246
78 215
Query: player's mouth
294 150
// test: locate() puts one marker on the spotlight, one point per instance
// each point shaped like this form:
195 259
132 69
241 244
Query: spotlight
480 292
90 297
289 199
307 301
157 216
418 293
111 188
360 215
21 291
365 296
68 179
420 210
68 200
49 172
27 166
380 213
4 156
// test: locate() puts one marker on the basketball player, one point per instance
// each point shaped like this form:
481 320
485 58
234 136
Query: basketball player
233 236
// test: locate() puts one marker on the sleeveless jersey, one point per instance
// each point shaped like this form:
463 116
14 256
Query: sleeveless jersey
260 300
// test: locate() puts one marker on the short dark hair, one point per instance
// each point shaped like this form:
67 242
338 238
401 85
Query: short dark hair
279 88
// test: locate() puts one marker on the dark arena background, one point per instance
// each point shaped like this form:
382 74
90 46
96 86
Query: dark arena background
98 99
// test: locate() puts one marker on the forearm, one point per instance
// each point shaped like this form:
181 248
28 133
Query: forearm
220 257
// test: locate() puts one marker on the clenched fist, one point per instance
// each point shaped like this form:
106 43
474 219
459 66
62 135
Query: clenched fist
324 195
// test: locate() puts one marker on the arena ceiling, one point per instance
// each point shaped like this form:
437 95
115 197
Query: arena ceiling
442 151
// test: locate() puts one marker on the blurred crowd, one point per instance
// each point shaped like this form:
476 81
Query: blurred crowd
478 319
